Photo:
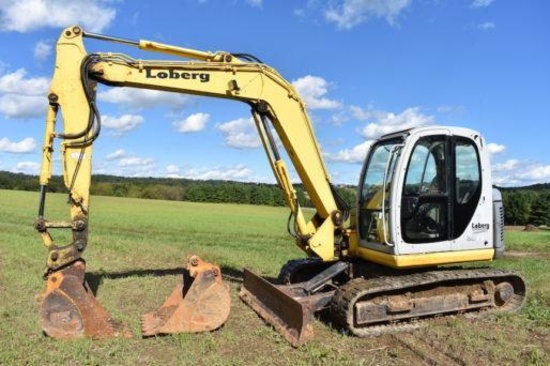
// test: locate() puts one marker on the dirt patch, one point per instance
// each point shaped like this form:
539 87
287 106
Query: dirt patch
530 228
427 351
526 228
513 228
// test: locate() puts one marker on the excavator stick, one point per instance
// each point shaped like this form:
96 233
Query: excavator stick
290 309
70 310
200 304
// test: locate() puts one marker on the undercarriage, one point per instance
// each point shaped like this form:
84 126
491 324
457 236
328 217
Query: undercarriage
367 300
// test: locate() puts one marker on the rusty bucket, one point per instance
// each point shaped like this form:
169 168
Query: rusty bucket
70 310
202 303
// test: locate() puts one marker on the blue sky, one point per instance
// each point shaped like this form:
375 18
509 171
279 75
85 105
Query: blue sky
364 68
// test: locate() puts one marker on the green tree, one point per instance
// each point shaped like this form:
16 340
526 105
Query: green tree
517 207
540 210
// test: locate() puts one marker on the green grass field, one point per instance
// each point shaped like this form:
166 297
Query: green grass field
137 246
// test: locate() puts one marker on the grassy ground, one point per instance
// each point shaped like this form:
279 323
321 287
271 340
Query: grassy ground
137 246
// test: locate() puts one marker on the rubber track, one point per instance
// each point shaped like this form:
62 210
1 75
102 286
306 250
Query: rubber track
293 265
347 295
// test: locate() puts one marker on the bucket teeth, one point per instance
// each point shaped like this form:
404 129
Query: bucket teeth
70 310
202 303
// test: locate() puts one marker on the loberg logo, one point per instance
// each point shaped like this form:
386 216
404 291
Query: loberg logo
478 226
175 74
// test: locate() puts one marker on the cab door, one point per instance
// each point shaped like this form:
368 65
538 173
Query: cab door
425 204
441 192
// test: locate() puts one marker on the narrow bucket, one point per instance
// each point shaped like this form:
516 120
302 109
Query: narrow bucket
70 310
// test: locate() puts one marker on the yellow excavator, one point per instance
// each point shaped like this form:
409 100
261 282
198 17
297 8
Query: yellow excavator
425 201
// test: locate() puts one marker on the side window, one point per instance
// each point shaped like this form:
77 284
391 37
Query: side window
467 171
468 184
374 175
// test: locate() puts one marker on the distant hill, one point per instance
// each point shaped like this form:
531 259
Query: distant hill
533 187
175 189
523 205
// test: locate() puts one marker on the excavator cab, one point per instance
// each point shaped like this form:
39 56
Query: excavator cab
424 200
424 191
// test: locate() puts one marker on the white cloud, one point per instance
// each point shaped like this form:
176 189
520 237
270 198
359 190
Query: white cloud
481 3
42 50
194 123
22 97
29 15
515 172
24 146
537 174
15 83
354 155
451 109
506 166
312 89
255 3
22 106
172 169
138 99
486 26
27 167
129 165
122 124
383 122
354 12
363 114
122 163
240 133
495 148
132 161
118 154
340 117
236 173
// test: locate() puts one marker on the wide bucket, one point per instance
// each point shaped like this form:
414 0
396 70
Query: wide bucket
201 303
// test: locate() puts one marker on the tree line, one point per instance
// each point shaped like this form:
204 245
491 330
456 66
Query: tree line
522 205
175 189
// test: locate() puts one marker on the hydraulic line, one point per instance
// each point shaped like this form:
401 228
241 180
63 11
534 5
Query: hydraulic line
94 120
247 57
84 67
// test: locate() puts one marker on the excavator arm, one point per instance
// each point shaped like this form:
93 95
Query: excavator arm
273 101
274 105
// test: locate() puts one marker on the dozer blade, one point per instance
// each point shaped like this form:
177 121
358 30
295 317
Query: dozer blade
200 304
70 310
286 307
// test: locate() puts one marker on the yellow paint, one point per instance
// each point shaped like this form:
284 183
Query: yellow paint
225 76
424 259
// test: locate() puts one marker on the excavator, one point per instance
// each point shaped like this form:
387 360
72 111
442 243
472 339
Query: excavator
425 208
